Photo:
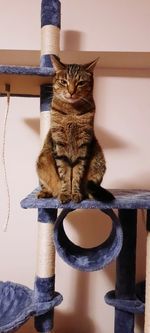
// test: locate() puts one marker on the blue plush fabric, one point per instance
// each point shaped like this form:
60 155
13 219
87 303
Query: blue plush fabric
47 215
27 70
83 259
124 322
125 298
46 97
124 199
126 305
88 259
45 61
44 291
50 13
18 303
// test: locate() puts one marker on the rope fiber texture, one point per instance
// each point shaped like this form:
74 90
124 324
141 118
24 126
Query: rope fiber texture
50 36
3 159
45 251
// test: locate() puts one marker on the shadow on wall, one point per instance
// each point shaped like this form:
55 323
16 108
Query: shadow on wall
123 72
72 40
135 183
78 320
109 140
33 124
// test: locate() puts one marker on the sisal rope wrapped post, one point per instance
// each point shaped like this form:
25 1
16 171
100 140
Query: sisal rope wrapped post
45 274
147 292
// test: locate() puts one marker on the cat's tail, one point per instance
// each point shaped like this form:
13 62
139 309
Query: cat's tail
99 193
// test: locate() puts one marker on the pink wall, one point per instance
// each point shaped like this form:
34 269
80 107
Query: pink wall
122 126
99 25
108 25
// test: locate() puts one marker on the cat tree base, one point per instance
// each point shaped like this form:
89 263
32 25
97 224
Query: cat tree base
126 299
18 303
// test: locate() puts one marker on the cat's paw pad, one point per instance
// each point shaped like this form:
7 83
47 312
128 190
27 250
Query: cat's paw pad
43 194
64 198
77 197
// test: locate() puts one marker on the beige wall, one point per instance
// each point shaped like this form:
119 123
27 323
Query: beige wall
100 25
122 126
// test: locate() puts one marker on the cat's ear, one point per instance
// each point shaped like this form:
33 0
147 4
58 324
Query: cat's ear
57 64
91 65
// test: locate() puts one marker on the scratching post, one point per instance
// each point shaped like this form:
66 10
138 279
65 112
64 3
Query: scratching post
45 279
50 30
50 44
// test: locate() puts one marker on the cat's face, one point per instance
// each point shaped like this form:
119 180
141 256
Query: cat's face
73 82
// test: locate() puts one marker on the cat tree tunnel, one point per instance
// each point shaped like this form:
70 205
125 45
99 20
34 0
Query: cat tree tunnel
17 302
88 259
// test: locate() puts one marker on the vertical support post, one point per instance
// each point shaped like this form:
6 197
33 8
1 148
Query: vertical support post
50 30
45 273
50 44
125 270
45 279
147 292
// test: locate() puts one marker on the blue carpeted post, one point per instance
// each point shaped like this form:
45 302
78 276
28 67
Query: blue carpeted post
45 279
125 271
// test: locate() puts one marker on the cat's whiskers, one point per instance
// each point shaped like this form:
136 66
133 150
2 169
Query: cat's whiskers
87 101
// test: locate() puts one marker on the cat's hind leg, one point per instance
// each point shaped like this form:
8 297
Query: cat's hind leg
44 193
94 177
97 165
48 177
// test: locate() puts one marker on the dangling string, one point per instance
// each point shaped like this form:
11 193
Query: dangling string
5 225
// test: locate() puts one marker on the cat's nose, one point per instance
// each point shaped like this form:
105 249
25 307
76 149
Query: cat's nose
70 94
71 89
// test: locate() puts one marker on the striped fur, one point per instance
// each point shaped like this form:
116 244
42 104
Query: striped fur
71 155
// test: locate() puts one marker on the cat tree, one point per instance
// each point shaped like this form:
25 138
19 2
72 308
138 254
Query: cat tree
17 302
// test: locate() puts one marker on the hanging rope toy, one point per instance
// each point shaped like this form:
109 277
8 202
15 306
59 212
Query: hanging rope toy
3 156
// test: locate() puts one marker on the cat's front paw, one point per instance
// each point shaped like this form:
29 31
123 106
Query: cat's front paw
44 194
77 197
64 197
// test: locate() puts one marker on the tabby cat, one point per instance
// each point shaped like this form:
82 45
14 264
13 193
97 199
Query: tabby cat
71 164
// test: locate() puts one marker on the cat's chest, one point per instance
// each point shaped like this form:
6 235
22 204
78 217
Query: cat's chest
69 127
71 135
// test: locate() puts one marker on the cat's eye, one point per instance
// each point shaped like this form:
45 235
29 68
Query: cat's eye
81 83
63 82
